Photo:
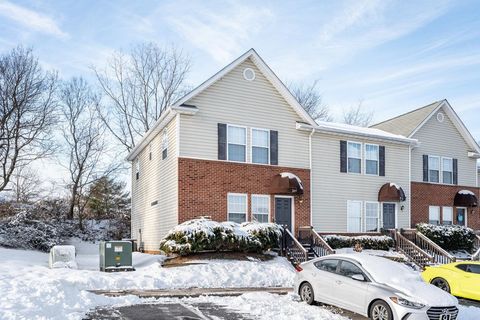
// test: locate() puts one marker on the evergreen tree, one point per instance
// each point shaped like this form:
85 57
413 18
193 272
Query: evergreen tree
108 199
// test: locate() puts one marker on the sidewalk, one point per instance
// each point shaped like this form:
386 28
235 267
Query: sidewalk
190 292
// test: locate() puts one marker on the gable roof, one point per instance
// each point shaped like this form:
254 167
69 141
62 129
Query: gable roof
409 123
267 72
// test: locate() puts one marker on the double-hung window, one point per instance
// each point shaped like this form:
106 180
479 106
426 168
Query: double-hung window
237 143
447 170
433 169
354 154
261 207
260 146
164 144
137 168
371 159
237 207
354 216
371 216
447 215
434 215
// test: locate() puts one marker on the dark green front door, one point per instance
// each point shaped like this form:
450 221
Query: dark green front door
389 216
283 212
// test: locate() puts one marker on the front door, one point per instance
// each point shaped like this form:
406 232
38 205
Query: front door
388 216
283 212
461 216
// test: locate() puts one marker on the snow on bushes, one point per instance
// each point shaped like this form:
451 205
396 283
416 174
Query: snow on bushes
206 235
449 237
367 242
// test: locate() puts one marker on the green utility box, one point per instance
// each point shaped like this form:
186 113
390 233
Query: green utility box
116 256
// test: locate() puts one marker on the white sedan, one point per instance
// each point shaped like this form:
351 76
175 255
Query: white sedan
374 287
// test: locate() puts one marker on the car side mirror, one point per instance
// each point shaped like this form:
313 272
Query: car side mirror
358 277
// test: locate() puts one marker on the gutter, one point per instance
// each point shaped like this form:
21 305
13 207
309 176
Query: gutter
311 174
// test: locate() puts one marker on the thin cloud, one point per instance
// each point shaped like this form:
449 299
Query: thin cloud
31 19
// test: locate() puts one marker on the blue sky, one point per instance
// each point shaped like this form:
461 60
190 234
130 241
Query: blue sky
392 55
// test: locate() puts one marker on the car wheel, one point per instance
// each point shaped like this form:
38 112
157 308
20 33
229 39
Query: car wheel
441 283
306 293
380 310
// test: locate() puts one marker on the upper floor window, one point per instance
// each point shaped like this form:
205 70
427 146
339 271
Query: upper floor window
354 154
150 151
371 159
237 207
137 168
260 146
447 170
433 169
164 144
237 143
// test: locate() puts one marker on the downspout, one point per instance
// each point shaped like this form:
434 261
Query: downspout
311 175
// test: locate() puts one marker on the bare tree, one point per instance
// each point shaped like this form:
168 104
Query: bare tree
26 184
311 100
85 142
27 111
358 116
140 85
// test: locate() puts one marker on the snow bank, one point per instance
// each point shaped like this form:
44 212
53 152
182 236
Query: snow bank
30 290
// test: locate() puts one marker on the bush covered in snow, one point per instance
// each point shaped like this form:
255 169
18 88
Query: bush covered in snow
449 237
367 242
206 235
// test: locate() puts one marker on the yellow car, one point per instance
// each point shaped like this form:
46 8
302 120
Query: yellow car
461 279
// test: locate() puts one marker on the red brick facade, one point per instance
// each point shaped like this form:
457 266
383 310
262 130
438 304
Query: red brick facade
428 194
203 186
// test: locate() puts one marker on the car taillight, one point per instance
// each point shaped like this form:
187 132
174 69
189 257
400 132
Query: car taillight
298 268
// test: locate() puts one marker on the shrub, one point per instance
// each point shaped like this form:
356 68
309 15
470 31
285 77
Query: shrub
449 237
367 242
206 235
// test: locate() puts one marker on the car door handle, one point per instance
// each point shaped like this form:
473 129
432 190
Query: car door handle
338 282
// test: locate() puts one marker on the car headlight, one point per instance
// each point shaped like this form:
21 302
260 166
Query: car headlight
407 303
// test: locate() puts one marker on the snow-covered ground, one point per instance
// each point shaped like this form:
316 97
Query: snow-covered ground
30 290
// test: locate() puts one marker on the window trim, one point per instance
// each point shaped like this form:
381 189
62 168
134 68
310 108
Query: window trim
365 216
269 205
439 214
245 145
365 158
245 195
443 215
440 176
361 215
137 168
441 167
361 157
252 145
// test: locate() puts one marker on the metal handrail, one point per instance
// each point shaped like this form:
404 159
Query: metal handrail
296 251
324 244
439 254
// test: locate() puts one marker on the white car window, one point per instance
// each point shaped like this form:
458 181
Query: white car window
348 269
329 265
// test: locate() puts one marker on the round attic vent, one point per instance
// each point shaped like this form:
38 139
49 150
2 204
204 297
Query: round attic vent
249 74
440 117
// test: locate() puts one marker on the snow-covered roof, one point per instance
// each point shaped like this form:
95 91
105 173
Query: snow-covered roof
342 128
466 192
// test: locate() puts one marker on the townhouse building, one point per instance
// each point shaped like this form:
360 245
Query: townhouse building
239 147
444 181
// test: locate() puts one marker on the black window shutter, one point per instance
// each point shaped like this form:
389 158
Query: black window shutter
343 156
381 164
425 167
273 147
455 171
222 141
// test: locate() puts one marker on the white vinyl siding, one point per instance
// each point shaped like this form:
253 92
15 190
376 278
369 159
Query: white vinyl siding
331 189
158 183
447 215
253 104
371 159
354 157
372 213
433 169
442 138
434 215
236 143
237 207
354 216
260 146
261 208
447 170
